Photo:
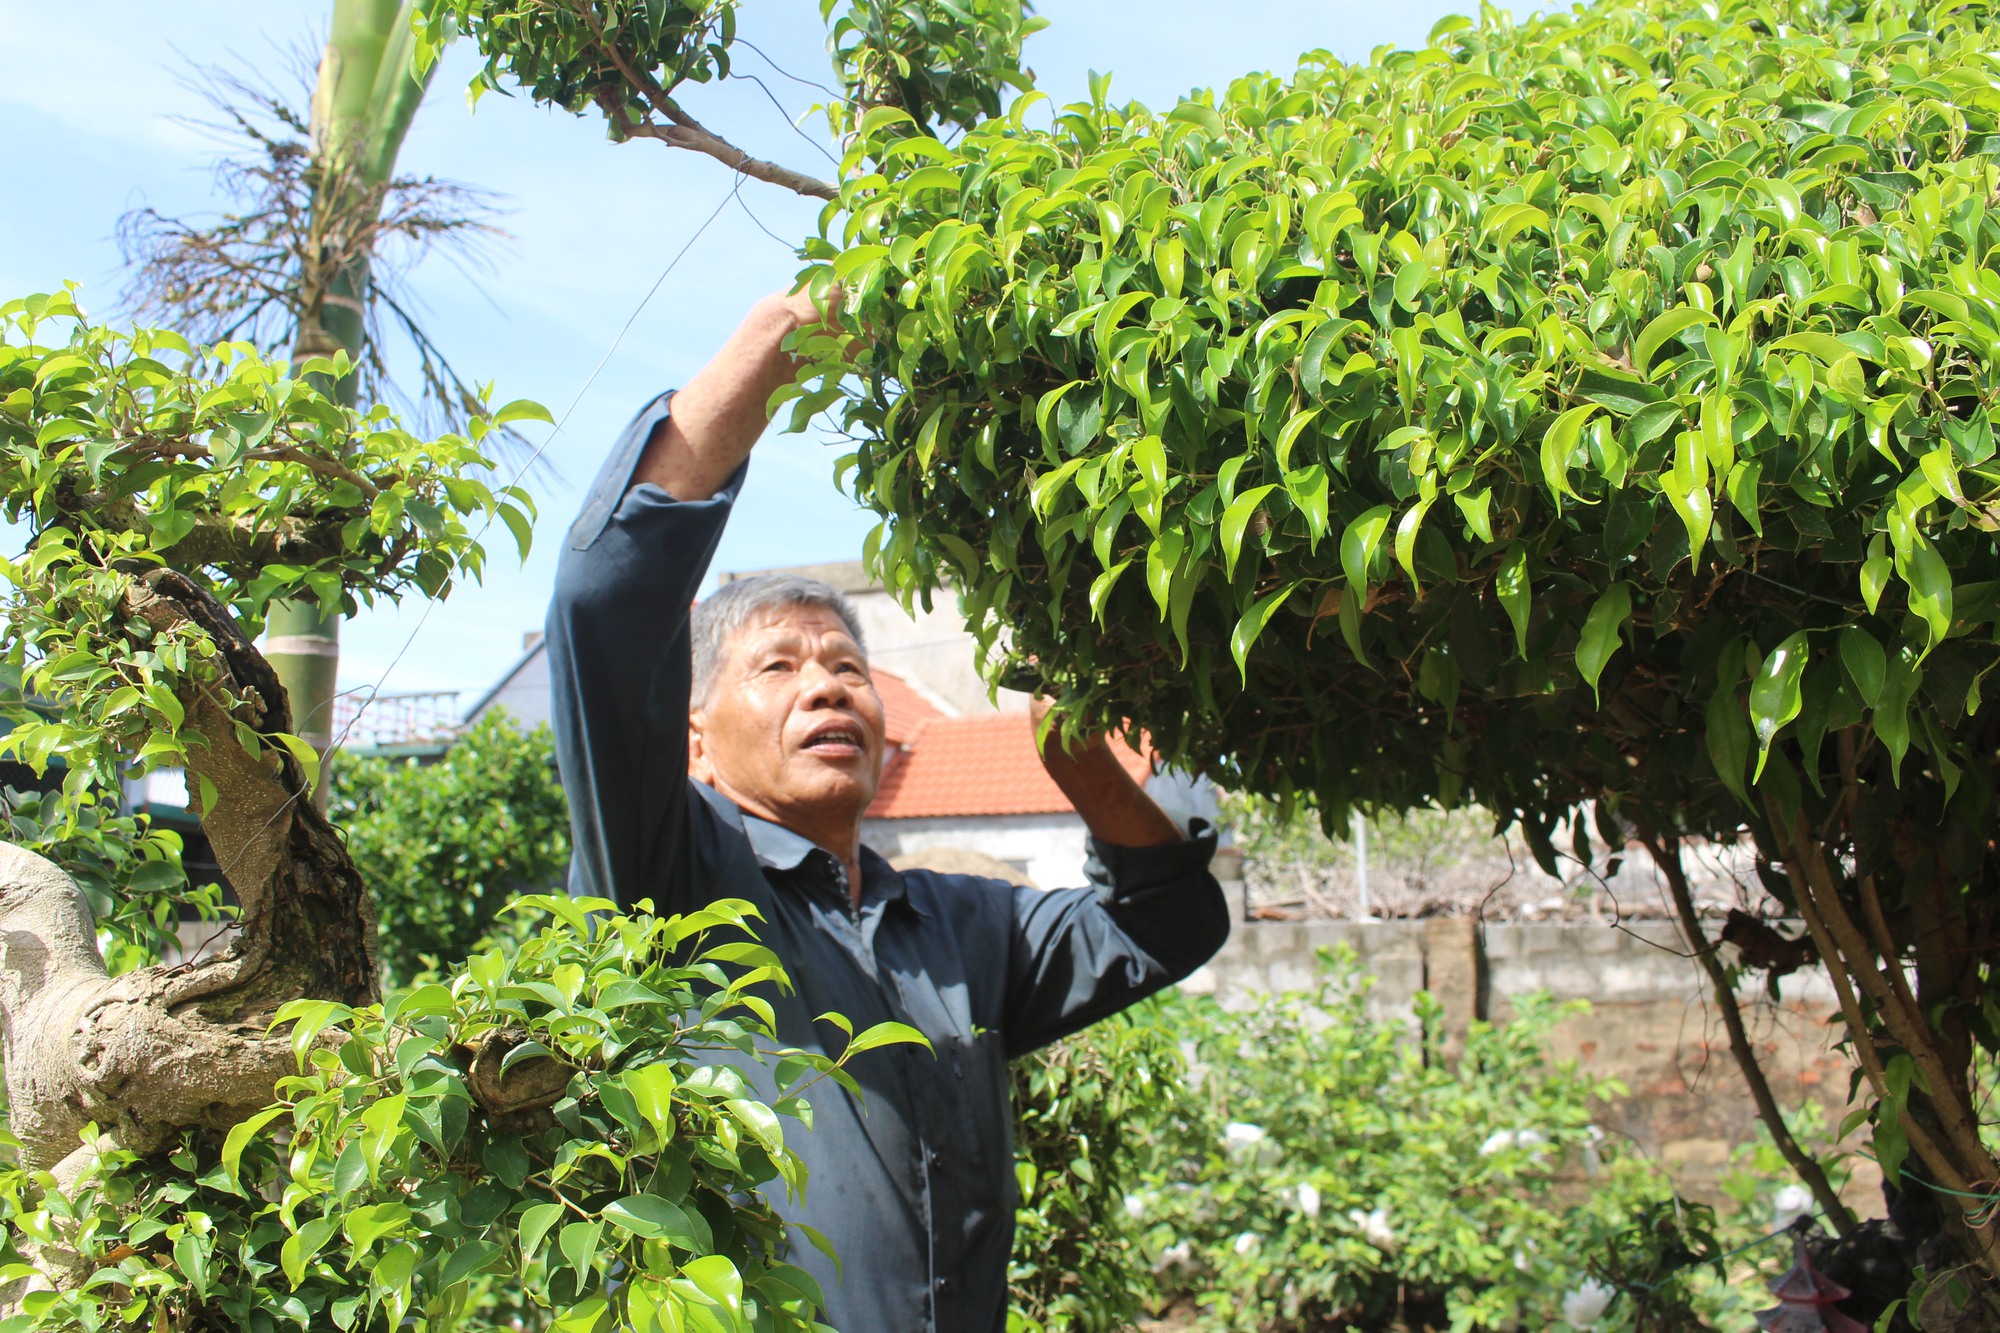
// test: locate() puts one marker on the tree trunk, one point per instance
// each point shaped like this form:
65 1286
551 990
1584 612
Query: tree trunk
153 1052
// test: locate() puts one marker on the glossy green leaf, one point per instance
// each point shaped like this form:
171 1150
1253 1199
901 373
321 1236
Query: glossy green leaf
1558 444
1924 570
1251 625
1662 329
1867 665
1516 594
1600 636
1774 694
1359 543
884 1034
1729 741
1236 520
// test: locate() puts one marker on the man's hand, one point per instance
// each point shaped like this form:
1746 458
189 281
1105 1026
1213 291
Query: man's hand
1115 809
719 414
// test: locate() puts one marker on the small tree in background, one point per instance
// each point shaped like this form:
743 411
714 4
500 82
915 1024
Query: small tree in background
445 846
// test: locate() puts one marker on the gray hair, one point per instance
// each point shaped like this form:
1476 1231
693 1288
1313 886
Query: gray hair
734 605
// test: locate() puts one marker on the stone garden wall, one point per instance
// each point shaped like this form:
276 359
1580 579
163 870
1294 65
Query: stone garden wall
1652 1023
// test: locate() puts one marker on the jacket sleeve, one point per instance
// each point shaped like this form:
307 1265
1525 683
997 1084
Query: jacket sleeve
1154 915
620 673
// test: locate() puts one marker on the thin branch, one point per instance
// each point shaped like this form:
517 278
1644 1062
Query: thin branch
684 131
1666 854
687 133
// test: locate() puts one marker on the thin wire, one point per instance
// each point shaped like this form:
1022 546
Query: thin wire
431 603
744 41
340 741
742 204
785 111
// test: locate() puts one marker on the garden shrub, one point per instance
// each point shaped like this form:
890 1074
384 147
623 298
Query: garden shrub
624 1189
446 845
1334 1168
1084 1112
1298 1165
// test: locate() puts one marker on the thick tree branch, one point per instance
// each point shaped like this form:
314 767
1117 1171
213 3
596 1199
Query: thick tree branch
685 132
1948 1162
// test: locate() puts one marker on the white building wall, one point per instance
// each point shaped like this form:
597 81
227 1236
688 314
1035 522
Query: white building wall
1046 850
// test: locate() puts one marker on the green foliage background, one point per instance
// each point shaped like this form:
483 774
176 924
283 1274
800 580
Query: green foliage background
1298 1164
446 845
1084 1112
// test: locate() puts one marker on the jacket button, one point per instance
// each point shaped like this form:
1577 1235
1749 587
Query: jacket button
936 1157
943 1285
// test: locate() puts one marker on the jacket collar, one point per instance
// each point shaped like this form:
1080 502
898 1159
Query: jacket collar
779 848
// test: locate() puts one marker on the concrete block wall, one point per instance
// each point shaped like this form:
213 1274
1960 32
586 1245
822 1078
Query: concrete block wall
1652 1023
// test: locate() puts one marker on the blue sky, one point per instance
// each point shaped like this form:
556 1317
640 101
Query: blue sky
93 99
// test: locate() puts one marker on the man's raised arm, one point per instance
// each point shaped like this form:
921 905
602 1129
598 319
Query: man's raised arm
618 624
1154 916
719 414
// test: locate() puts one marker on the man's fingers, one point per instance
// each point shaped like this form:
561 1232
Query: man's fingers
805 310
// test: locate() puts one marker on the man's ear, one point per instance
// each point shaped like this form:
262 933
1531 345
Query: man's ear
698 766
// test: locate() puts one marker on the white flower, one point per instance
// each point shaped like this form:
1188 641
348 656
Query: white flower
1309 1201
1789 1204
1245 1242
1135 1207
1178 1256
1586 1305
1500 1140
1374 1228
1593 1162
1534 1140
1238 1137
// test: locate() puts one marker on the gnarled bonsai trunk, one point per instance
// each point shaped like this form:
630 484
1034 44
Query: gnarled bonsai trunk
153 1052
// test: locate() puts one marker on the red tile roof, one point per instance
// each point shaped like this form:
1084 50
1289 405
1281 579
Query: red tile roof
903 708
972 766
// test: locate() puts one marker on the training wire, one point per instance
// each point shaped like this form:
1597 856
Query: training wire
374 691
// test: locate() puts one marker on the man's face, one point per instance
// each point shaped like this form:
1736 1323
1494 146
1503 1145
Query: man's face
792 728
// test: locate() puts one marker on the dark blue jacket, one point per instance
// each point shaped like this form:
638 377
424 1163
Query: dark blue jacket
914 1183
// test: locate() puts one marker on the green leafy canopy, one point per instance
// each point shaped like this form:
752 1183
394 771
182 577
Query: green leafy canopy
129 452
1575 408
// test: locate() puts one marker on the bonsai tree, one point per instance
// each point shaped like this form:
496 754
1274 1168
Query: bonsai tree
250 1137
1590 418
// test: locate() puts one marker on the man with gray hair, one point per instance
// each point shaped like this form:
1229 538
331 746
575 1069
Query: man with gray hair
733 754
